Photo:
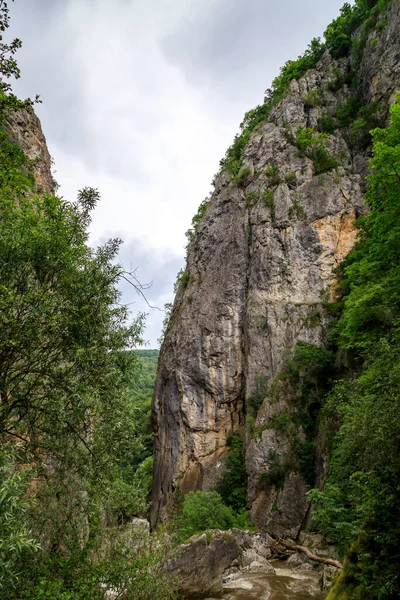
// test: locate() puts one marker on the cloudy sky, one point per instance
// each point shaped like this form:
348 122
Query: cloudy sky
141 98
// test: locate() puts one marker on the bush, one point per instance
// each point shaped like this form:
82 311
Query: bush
233 483
243 177
312 145
268 198
291 179
197 219
313 99
201 511
273 176
182 281
15 537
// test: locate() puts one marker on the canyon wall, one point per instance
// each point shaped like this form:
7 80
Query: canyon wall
260 276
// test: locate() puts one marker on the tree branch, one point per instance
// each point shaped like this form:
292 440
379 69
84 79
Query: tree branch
309 554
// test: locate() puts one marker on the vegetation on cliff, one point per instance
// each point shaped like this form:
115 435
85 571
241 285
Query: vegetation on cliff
359 509
339 41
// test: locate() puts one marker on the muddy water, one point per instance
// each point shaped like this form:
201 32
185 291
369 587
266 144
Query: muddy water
283 585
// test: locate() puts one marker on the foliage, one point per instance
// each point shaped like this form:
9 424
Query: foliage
233 483
197 219
182 280
66 378
291 179
339 40
280 421
243 177
167 321
249 236
360 506
202 511
256 399
298 210
140 394
9 67
313 145
15 536
313 99
357 119
277 471
251 198
268 198
127 563
273 176
294 69
232 161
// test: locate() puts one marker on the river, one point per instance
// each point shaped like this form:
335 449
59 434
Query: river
284 584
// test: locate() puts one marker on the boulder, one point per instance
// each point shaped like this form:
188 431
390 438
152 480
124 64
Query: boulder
199 565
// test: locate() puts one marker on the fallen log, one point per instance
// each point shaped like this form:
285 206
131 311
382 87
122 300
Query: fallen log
309 554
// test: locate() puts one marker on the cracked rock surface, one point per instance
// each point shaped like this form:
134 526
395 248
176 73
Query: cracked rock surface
260 275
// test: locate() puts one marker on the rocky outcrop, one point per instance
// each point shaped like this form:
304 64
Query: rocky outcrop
207 561
260 271
26 130
219 562
199 565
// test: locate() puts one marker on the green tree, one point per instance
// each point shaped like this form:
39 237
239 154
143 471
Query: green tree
233 483
202 511
71 460
360 506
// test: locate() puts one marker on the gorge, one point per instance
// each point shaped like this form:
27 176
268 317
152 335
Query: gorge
275 411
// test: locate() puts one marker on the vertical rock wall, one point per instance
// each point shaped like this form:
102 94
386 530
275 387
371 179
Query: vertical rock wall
26 130
259 277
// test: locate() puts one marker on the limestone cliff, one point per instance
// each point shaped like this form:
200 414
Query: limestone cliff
260 271
26 130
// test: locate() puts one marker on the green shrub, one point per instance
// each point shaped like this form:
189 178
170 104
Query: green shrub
297 210
197 219
312 145
182 280
233 483
243 177
291 179
340 78
273 176
338 33
16 539
327 123
268 198
251 199
294 69
313 99
202 511
338 40
275 476
281 422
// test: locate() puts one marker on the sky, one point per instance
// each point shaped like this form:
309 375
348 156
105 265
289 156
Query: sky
141 98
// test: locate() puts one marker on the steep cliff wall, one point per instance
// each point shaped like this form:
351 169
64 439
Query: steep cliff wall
260 273
26 130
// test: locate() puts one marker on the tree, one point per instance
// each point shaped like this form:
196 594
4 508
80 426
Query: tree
360 505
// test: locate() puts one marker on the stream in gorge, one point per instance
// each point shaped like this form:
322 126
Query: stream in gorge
284 584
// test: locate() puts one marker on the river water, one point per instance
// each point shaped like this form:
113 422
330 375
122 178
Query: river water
283 585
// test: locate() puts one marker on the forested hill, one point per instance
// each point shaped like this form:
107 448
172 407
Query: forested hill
141 395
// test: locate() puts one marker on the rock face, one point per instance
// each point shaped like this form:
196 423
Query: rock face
26 131
259 274
200 565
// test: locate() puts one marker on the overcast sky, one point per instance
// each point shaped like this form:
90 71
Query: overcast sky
141 98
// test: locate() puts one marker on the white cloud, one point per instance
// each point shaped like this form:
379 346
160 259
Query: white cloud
142 97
